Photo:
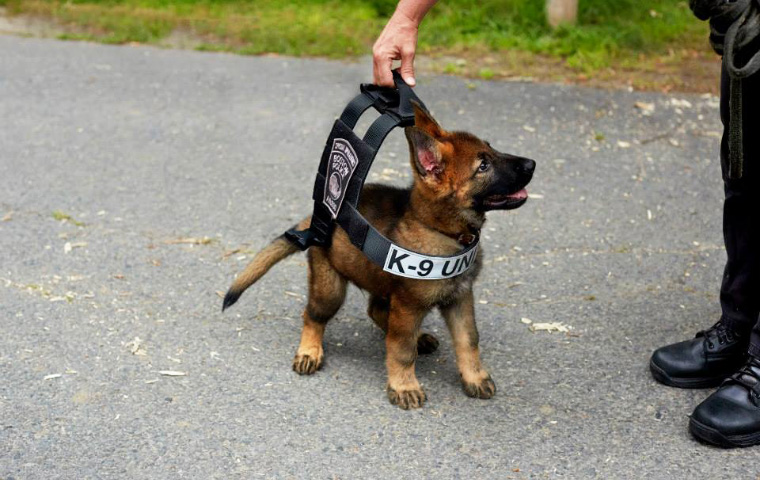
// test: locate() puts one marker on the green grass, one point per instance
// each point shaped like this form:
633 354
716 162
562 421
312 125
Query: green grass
607 29
486 74
608 32
330 28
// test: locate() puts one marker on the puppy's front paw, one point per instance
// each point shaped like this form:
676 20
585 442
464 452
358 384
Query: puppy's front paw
407 398
484 389
305 364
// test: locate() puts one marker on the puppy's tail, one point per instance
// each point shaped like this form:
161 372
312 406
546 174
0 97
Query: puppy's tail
270 255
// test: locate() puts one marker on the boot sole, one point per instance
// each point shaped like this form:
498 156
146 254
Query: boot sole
700 382
714 437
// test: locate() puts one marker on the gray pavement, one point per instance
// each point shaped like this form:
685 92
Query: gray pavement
150 148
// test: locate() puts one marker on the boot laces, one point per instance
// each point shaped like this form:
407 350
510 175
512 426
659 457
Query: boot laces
748 376
718 332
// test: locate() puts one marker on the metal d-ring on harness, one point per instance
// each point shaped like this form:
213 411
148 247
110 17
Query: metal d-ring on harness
345 163
735 34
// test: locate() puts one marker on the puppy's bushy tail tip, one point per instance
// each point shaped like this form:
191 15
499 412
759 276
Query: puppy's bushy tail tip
270 255
230 298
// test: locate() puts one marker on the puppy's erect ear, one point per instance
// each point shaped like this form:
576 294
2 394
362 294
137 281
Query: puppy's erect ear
425 122
426 153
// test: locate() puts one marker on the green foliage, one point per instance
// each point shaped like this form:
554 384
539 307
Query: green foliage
606 30
383 8
486 74
451 69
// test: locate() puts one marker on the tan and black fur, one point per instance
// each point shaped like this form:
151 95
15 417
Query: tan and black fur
457 178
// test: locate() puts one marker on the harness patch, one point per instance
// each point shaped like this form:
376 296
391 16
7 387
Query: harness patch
414 265
341 166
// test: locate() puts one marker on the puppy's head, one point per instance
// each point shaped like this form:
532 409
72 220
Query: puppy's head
463 170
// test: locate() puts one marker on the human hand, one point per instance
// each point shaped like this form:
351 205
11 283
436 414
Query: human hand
398 41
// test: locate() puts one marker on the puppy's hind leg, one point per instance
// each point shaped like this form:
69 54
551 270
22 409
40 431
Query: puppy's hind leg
378 311
327 290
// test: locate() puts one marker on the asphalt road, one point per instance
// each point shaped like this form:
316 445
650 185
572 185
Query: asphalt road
147 149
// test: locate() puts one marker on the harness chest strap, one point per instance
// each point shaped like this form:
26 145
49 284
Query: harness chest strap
344 167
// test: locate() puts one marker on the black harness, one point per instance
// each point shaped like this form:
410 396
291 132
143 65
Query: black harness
345 163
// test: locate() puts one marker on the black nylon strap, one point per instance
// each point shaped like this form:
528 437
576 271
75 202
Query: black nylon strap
354 225
319 186
355 109
363 235
376 246
379 129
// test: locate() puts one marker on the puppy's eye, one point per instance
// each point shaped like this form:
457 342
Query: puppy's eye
484 165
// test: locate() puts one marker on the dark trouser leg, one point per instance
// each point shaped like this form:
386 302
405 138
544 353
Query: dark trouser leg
718 352
740 291
730 417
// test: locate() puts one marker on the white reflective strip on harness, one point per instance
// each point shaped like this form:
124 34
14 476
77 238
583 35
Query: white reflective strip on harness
414 265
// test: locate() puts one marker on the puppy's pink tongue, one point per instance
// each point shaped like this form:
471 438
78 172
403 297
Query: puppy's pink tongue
522 194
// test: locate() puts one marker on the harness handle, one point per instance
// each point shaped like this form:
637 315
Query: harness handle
396 101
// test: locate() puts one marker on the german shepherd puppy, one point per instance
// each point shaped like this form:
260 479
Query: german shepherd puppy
457 179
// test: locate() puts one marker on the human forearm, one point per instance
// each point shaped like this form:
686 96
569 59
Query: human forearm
414 10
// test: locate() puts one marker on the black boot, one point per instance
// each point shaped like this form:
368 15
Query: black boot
730 417
702 362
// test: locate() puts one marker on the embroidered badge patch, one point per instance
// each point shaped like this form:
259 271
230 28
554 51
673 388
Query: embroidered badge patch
343 162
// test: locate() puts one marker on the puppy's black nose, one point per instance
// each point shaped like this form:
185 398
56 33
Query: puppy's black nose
526 165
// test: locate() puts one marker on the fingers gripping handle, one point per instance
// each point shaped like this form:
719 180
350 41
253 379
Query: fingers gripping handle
397 101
